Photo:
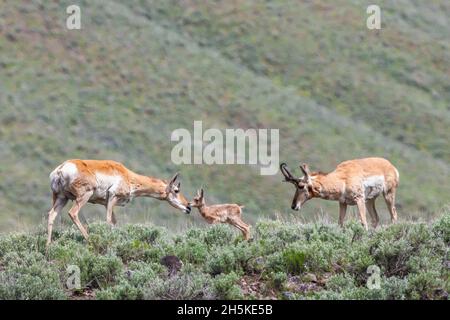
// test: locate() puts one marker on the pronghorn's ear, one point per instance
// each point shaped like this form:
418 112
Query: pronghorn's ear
171 182
201 192
174 177
305 170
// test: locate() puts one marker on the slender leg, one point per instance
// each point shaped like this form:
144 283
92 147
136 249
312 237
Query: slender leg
113 218
362 212
110 218
241 225
58 205
73 212
370 205
342 212
390 202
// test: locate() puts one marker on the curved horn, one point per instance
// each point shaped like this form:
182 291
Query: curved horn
286 173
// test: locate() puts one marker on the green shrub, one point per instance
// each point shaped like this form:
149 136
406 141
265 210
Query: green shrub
441 227
22 243
134 249
29 277
96 270
140 274
277 280
294 260
222 261
132 284
340 282
192 250
186 285
396 288
424 285
328 262
218 235
225 286
122 291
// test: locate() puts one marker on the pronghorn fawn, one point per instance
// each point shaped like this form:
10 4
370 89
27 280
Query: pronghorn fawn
108 183
354 182
221 213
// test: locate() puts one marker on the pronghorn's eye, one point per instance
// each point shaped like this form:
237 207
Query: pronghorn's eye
176 191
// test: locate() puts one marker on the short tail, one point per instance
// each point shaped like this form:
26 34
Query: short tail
56 180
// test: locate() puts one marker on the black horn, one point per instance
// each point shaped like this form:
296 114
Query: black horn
286 173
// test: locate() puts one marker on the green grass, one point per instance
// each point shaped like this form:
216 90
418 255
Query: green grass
138 70
285 259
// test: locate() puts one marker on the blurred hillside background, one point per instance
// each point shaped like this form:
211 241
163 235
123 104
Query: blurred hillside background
139 69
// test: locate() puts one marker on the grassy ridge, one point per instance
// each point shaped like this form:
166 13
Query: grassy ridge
134 73
285 260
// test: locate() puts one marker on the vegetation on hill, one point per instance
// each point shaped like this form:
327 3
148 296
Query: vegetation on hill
137 70
284 260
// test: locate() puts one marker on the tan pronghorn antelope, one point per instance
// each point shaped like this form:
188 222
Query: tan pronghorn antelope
353 182
221 213
108 183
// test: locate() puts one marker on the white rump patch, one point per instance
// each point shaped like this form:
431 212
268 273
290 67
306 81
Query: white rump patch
62 176
373 186
69 170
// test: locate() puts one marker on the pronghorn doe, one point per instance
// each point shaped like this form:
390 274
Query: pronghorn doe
108 183
353 182
221 213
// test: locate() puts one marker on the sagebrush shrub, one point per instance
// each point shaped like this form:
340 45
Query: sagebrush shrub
290 260
186 285
28 276
225 286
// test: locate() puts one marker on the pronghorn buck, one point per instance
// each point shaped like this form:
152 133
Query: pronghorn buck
108 183
353 182
221 213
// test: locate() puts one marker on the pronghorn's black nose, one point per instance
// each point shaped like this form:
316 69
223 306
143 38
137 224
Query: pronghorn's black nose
188 209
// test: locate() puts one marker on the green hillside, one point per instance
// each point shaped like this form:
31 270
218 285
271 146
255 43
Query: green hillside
140 69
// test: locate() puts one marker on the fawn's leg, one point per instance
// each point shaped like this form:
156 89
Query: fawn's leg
241 225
